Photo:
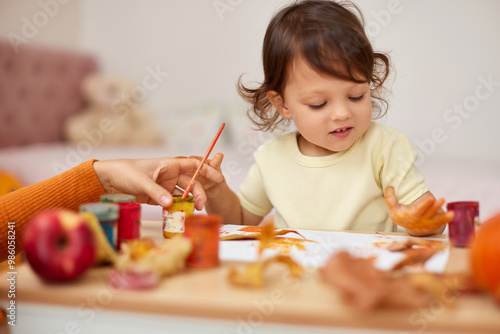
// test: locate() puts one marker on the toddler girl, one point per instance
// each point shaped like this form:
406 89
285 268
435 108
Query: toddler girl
321 72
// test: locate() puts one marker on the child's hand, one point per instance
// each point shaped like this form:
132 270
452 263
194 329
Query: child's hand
211 188
422 217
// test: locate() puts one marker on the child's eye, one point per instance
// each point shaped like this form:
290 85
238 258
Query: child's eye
356 98
317 106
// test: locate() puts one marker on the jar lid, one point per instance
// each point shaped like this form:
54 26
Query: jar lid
103 211
114 198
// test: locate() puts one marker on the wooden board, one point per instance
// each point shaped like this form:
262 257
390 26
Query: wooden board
308 301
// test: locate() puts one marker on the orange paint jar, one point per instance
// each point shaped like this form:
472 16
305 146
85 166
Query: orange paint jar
203 230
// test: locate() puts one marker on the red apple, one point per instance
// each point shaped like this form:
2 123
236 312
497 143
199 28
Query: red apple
59 245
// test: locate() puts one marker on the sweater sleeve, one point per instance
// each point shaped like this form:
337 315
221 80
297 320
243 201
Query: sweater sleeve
67 190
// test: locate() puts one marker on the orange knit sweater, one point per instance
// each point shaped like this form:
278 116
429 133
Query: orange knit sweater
67 190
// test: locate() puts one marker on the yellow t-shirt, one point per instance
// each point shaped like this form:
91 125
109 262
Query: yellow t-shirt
341 191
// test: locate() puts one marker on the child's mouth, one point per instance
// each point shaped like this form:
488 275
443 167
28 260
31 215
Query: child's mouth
342 132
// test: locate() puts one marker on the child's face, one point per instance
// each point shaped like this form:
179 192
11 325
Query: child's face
330 114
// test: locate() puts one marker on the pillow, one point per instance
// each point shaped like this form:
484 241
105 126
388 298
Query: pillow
8 182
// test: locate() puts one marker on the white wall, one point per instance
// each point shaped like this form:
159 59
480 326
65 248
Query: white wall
442 52
47 22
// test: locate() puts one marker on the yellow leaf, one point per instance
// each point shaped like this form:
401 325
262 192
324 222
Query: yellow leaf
266 236
253 274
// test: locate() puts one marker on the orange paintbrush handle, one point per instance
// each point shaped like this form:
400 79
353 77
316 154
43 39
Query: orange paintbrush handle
188 189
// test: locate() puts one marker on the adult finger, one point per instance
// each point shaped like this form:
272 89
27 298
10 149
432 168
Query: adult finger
157 193
197 190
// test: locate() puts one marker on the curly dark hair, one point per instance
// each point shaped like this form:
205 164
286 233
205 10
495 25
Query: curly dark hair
330 36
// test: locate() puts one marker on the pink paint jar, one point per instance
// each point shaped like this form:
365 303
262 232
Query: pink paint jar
462 227
129 222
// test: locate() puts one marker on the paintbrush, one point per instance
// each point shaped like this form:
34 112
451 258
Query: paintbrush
193 180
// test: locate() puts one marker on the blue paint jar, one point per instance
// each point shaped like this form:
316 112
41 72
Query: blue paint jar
107 214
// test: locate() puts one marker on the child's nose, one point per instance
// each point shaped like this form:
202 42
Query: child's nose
340 113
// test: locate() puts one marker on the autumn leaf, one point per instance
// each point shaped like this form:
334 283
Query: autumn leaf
366 288
143 255
408 243
415 256
266 237
296 269
137 248
252 275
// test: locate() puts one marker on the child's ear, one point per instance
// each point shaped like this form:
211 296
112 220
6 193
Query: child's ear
277 101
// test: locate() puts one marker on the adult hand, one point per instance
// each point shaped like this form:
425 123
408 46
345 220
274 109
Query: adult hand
153 181
211 186
422 217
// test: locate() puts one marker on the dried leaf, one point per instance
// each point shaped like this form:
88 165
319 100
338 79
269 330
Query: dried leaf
359 282
365 287
266 236
415 256
252 275
427 281
446 287
402 245
165 259
138 248
399 245
296 269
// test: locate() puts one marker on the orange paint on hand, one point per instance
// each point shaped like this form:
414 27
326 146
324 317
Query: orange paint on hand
422 218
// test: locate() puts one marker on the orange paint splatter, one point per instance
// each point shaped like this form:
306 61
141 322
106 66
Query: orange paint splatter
381 244
252 229
286 244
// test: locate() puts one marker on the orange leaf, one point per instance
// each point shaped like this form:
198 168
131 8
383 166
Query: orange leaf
266 236
253 274
366 288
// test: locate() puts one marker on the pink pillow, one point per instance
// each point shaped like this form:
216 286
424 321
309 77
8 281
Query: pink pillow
39 89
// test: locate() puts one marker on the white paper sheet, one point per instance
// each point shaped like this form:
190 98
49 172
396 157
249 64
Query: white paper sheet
327 243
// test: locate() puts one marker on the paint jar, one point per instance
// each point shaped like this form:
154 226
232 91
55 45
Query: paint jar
175 215
129 222
462 227
129 218
203 230
117 198
107 214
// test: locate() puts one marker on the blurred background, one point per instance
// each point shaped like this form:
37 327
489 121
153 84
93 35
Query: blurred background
185 57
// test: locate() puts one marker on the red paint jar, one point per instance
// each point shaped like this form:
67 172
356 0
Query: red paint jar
203 230
129 222
462 227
